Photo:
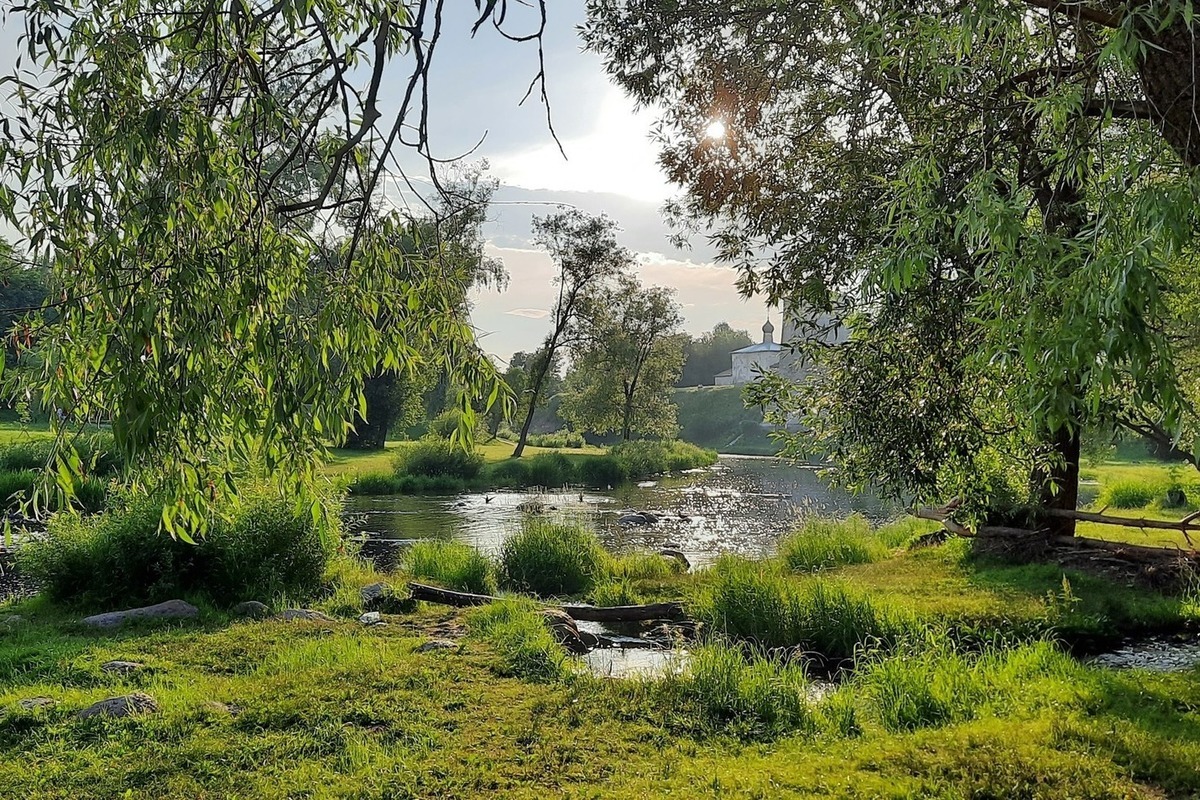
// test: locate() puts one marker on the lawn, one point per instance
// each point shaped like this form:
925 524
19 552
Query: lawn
350 463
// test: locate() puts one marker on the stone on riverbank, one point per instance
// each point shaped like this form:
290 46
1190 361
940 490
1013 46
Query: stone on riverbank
171 609
121 667
121 706
291 614
251 609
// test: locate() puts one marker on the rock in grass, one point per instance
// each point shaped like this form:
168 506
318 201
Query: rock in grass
172 609
34 703
288 615
251 609
437 644
564 629
372 595
372 618
122 706
382 597
121 667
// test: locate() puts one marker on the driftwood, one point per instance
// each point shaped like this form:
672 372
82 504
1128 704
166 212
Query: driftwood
1184 526
942 515
433 594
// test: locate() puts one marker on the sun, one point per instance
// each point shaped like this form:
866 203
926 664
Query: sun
715 130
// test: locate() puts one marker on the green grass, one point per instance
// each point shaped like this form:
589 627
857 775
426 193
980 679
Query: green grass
451 564
552 559
820 544
331 710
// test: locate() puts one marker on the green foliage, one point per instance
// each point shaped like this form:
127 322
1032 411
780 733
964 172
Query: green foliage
753 601
1133 493
453 565
97 452
602 471
623 369
615 593
643 458
375 483
551 470
437 458
824 544
752 697
717 417
561 439
551 559
527 649
267 549
15 485
511 473
643 566
708 354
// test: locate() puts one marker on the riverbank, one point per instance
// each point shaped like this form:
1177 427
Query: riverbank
962 701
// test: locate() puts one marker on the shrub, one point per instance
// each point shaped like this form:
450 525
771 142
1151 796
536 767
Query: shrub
1132 493
754 601
641 459
453 565
375 483
750 697
516 630
549 559
512 473
551 470
601 471
433 458
564 438
120 557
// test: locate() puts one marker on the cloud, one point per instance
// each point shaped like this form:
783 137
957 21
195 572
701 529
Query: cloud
529 313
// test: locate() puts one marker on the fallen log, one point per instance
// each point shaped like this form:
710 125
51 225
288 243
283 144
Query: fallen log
942 515
1184 526
446 597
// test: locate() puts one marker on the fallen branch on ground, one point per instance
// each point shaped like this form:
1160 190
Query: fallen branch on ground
446 597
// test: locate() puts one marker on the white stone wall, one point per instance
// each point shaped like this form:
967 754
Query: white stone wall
748 366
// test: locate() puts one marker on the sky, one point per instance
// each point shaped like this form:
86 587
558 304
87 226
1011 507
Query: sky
610 166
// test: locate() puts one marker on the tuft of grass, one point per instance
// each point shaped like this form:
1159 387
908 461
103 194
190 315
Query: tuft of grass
615 593
551 470
516 631
825 544
437 459
644 566
454 565
641 459
1132 493
375 483
755 602
551 559
723 690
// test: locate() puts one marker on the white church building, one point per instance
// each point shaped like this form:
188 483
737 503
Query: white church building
749 362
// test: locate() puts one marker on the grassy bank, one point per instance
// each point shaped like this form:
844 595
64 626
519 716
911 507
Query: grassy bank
335 709
435 466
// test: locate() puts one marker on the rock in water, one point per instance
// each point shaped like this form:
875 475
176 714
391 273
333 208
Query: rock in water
564 629
172 609
122 706
251 609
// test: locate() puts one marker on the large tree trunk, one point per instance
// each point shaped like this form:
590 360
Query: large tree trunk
536 392
1058 486
1168 76
371 433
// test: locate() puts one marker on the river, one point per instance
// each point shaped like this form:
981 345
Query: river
742 504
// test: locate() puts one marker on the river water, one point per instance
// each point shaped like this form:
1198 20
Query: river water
742 504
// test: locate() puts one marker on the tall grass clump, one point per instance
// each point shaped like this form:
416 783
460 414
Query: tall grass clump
825 543
454 565
550 559
375 483
640 459
513 473
15 485
928 683
551 470
644 566
517 632
725 691
754 601
267 549
601 471
1134 493
436 458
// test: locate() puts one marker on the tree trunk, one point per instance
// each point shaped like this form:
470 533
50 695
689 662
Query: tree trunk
1058 486
627 415
1168 75
535 393
371 433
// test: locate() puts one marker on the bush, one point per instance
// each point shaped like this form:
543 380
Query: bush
1132 493
97 452
564 438
642 459
551 559
753 601
601 471
512 473
551 470
749 697
453 565
516 630
823 544
120 558
432 458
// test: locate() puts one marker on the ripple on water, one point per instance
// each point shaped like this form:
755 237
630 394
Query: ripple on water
1156 655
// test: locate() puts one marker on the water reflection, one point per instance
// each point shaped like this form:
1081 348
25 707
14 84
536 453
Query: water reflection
740 505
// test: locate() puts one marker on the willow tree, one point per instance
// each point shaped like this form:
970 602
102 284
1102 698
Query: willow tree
994 194
205 178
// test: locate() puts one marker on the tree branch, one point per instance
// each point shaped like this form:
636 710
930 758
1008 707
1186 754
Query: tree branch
1078 12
